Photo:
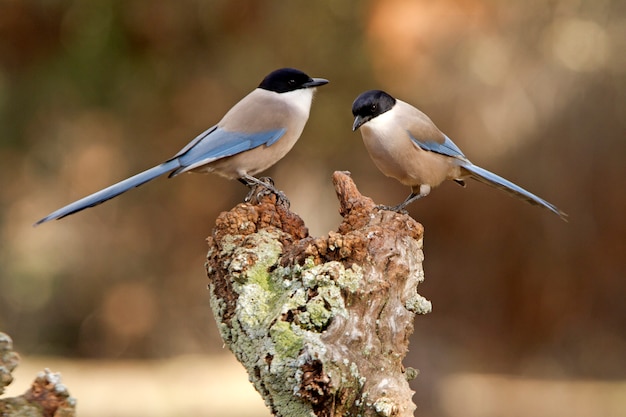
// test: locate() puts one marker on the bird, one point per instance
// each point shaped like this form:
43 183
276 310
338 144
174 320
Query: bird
252 136
405 144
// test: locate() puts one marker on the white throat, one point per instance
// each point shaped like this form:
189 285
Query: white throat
382 123
300 98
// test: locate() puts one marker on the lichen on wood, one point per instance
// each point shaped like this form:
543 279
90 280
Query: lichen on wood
47 396
321 324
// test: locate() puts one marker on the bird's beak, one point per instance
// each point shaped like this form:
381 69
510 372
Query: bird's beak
358 122
315 82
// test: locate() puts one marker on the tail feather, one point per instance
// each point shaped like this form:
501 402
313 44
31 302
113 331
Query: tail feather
112 191
493 180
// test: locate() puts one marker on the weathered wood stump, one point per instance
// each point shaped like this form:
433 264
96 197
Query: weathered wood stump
320 324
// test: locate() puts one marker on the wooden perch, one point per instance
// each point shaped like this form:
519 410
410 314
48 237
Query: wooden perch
320 324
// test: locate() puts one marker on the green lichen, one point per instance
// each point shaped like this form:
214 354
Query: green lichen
327 282
385 407
411 373
316 316
280 311
418 305
333 273
351 278
219 307
229 243
259 290
287 343
354 371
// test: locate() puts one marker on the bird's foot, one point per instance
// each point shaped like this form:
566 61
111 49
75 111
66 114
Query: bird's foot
398 209
263 186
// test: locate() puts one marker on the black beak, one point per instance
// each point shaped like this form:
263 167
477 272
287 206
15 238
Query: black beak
358 122
315 82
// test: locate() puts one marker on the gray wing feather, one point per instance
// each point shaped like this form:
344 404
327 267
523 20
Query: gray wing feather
110 192
222 143
211 145
489 178
447 148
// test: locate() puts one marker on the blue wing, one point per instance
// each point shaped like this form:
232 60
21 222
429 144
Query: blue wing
211 145
217 143
489 178
447 148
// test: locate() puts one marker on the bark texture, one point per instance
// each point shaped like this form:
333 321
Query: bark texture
47 396
320 323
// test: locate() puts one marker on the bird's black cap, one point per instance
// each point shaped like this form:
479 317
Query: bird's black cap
289 79
370 104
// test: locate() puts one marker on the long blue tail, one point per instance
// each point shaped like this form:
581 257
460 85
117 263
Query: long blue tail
112 191
489 178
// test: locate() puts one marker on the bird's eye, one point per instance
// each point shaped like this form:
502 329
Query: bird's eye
373 107
291 82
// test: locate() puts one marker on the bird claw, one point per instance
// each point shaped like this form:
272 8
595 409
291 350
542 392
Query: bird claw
264 187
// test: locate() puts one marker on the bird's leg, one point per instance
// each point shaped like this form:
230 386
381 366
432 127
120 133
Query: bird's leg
424 190
400 207
266 182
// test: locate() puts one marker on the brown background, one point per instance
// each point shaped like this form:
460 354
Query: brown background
92 92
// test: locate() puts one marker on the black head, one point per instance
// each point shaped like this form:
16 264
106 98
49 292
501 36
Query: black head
370 104
289 79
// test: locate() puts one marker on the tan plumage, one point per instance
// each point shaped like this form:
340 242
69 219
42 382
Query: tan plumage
268 109
397 156
252 136
406 145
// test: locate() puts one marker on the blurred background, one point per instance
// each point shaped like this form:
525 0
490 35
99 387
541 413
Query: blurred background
528 311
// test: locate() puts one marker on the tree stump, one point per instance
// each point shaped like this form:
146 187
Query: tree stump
321 324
